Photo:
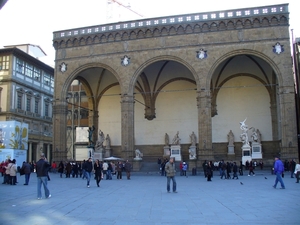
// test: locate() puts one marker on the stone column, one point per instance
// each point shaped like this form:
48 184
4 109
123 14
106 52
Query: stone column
60 129
289 141
29 156
204 126
48 152
127 126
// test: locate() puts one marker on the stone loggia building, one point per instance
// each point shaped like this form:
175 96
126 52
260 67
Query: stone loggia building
202 73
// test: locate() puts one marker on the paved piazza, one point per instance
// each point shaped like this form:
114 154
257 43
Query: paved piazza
144 200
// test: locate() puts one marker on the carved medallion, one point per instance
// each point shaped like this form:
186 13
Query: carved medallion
201 54
125 61
63 67
278 48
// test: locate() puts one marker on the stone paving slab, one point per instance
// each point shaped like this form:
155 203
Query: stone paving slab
144 200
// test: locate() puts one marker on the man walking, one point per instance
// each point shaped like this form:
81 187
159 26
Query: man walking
170 170
88 167
278 170
128 169
42 168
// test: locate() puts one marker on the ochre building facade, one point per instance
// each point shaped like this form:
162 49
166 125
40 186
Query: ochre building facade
201 73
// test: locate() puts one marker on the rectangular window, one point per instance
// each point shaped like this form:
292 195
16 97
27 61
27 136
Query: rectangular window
28 104
19 101
46 109
28 70
36 106
4 62
20 66
47 79
36 73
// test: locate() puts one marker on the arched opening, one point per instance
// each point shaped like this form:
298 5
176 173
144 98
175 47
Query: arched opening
245 86
165 103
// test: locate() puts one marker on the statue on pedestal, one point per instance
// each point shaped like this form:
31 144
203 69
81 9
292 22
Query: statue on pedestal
167 141
99 142
176 139
230 137
193 139
244 135
107 142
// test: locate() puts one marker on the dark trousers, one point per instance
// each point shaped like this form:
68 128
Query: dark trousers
297 176
128 174
98 178
119 175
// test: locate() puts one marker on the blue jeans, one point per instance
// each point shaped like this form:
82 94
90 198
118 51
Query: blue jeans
173 181
40 181
27 176
108 175
279 178
88 177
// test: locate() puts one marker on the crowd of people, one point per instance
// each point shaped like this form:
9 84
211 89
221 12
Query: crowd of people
9 170
108 169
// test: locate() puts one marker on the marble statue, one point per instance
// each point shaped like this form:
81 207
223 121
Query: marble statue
167 141
107 142
100 138
176 139
99 142
138 154
230 137
256 135
193 139
244 135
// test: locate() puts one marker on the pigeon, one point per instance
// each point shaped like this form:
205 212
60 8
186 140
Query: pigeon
266 178
241 183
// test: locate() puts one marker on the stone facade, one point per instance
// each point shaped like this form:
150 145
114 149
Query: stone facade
222 35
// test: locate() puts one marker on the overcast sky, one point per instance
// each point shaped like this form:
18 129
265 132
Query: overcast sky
34 21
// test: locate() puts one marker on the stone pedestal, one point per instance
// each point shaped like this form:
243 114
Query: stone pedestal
256 151
176 152
192 164
193 154
246 153
136 165
230 149
166 151
98 155
107 152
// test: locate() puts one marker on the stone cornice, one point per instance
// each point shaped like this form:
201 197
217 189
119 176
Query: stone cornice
247 18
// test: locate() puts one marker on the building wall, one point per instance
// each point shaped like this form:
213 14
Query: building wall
96 59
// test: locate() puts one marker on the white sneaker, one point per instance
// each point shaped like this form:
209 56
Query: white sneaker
88 186
39 198
248 175
49 196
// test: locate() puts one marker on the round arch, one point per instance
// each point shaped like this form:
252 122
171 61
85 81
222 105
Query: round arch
243 52
161 58
75 73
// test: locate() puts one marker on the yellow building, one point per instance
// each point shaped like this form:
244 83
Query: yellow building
26 92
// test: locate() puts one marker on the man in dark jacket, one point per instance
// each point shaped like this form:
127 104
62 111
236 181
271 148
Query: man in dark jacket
88 167
278 170
27 170
128 169
42 168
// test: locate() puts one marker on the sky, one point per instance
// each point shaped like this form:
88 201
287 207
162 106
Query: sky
34 21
